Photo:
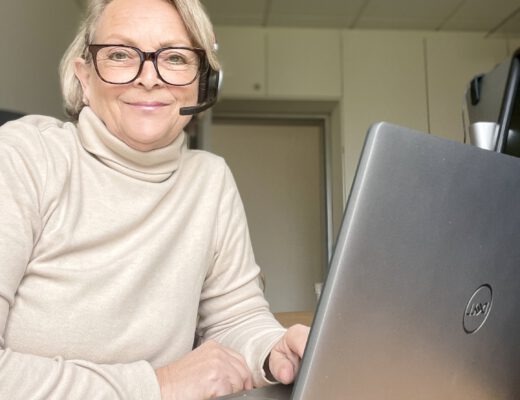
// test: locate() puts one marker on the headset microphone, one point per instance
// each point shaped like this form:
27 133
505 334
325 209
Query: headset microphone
209 86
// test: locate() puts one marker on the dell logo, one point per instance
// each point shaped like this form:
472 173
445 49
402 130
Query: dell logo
478 309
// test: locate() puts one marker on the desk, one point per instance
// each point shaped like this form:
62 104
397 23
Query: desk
294 317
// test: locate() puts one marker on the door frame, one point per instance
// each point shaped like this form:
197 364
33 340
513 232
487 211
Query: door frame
323 113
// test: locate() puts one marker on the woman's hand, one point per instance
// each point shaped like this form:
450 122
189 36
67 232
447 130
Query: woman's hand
286 355
208 371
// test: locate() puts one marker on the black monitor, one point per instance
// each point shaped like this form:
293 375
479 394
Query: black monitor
512 111
493 108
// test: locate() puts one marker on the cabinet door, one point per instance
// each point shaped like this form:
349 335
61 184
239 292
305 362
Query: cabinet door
242 54
384 80
453 60
304 64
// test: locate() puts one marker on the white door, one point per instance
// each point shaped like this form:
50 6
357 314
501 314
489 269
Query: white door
279 169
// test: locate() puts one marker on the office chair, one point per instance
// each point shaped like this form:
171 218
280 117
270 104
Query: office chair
6 115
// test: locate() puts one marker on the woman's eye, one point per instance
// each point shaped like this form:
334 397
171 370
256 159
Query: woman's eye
118 56
176 59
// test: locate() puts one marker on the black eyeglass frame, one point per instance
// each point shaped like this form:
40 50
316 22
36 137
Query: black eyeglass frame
148 56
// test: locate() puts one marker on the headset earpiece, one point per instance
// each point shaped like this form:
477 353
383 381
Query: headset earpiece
209 86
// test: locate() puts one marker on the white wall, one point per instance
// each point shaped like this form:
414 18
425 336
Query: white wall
384 80
411 78
33 36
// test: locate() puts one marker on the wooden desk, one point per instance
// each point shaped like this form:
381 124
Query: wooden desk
294 317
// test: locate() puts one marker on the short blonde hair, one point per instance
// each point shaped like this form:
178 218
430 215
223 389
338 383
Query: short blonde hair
192 13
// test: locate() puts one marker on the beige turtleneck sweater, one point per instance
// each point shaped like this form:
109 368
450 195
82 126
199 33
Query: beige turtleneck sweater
112 260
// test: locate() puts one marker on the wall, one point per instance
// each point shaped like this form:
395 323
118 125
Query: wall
33 36
411 78
415 79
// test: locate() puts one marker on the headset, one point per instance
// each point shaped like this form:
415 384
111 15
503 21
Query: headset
209 86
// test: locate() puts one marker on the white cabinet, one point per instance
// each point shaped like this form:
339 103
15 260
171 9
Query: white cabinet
453 60
280 63
415 79
242 53
304 63
384 80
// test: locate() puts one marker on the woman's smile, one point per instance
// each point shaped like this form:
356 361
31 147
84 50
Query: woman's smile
147 105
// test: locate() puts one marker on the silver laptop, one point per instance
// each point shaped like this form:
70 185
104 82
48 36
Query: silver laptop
422 300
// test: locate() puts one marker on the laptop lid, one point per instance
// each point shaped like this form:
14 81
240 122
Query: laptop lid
422 293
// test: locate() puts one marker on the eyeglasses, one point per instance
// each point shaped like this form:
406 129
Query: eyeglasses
121 64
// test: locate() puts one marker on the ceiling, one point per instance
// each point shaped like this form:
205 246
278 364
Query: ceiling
497 18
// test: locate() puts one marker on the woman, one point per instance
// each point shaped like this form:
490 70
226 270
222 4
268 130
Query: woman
118 244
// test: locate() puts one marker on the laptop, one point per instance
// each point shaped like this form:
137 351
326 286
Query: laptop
422 299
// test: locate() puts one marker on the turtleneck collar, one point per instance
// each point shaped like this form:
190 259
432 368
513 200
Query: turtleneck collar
152 166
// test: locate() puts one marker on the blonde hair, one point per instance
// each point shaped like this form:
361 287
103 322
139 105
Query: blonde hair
192 13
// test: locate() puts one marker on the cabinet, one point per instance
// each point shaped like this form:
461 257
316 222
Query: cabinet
384 80
280 63
453 59
304 64
242 53
415 79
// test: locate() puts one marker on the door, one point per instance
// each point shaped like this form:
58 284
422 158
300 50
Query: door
279 169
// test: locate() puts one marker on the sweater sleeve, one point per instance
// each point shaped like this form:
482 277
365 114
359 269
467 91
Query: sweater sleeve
233 309
23 174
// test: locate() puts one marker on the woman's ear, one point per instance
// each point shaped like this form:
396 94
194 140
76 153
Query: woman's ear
82 71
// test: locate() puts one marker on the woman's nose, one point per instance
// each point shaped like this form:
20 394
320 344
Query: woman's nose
149 76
